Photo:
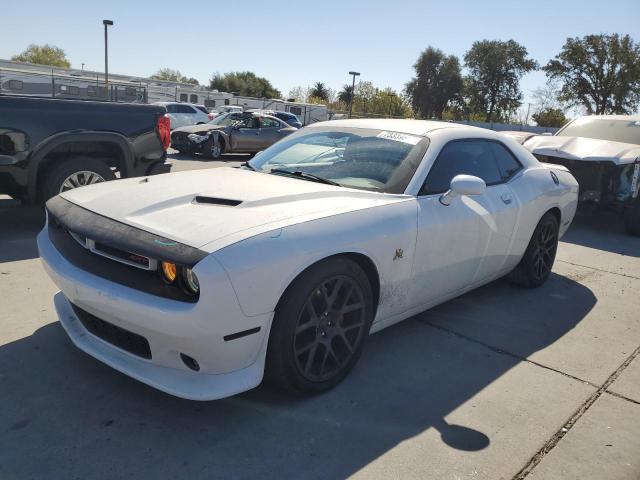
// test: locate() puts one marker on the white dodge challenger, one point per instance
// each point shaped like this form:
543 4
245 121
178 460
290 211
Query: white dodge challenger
200 283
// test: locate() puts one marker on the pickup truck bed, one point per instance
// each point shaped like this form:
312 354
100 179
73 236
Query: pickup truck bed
50 145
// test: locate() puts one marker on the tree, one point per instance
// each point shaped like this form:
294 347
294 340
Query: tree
320 91
43 55
599 72
298 94
244 83
173 76
550 117
344 95
495 68
437 82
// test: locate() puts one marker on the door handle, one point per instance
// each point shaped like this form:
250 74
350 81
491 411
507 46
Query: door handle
506 198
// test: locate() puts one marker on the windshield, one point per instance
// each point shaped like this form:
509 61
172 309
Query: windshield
225 119
626 131
368 159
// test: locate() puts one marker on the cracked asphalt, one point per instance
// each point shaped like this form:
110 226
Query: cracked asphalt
501 383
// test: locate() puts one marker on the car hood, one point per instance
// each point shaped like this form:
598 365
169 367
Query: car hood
203 127
584 149
210 209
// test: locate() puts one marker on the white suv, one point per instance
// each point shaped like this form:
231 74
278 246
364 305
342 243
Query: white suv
184 114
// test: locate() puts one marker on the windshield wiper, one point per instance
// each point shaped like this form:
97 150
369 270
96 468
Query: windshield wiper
249 166
305 176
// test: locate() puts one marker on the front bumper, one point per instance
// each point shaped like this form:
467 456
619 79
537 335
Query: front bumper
171 327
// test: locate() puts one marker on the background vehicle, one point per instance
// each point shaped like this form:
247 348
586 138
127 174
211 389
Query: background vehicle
245 132
183 114
50 145
289 118
286 265
603 153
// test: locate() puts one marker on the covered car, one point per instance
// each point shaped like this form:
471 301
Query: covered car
235 132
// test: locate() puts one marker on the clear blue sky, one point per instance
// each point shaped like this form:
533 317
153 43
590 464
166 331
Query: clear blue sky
300 42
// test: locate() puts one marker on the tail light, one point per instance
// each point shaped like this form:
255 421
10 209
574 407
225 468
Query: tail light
211 116
164 130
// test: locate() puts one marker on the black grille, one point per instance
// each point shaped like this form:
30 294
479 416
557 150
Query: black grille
121 338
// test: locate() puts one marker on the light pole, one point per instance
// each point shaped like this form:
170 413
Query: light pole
106 24
353 91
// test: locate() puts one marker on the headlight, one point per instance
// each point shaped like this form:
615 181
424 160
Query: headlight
169 271
190 280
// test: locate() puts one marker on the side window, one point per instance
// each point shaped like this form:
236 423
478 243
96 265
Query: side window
183 97
470 157
269 123
171 108
184 109
507 162
193 98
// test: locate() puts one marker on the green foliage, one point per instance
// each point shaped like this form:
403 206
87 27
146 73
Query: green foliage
495 68
319 90
551 117
344 95
43 55
598 72
437 82
244 83
173 76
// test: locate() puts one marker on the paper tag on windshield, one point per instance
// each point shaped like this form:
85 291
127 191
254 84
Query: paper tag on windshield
399 137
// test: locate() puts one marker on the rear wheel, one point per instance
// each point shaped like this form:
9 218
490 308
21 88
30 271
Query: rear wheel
632 218
73 173
320 326
535 266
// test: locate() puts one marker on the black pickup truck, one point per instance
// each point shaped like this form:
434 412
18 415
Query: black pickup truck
48 146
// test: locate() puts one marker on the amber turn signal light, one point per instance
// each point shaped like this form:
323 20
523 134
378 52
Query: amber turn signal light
169 271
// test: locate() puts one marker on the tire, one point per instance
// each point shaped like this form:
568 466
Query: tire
310 352
536 263
72 173
632 219
211 152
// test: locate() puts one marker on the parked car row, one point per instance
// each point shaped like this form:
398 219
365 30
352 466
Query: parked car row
185 114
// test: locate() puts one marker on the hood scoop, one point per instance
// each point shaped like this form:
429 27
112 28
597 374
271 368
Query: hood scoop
227 202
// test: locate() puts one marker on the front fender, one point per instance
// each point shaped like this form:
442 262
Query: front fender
262 267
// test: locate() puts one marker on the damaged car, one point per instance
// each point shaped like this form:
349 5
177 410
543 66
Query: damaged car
234 132
603 154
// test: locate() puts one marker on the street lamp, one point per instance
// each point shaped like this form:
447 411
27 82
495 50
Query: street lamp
353 91
106 24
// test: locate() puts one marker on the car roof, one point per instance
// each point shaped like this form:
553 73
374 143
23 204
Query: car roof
630 118
412 127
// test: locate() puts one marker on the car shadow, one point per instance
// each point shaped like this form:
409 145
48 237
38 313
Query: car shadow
19 226
602 230
66 415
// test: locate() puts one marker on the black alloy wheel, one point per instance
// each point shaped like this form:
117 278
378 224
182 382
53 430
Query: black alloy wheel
320 327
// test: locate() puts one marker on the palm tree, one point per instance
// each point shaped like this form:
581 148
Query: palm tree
319 90
344 95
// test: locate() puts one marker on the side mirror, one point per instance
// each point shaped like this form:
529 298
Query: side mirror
463 185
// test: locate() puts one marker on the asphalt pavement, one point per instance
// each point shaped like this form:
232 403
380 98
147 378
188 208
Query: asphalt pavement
501 383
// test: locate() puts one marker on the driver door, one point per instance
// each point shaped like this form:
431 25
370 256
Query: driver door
269 132
464 243
246 137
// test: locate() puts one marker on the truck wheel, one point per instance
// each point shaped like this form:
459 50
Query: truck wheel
536 263
74 173
632 219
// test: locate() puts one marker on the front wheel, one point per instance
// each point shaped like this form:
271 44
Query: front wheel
213 149
320 326
535 266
